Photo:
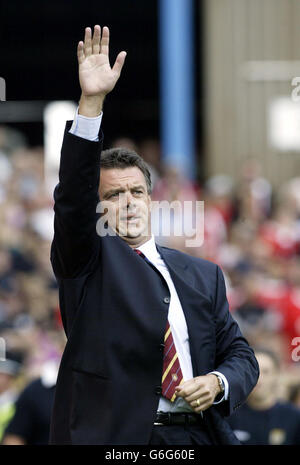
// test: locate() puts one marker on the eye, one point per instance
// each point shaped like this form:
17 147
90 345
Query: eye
115 194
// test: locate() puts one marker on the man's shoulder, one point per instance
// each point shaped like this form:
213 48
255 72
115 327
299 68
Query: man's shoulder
185 258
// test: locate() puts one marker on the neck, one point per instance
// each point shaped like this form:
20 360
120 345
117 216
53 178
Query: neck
263 403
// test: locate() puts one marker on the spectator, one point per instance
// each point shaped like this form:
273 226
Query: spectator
265 419
9 371
31 422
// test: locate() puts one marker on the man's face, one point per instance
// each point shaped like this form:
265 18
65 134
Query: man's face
123 192
267 378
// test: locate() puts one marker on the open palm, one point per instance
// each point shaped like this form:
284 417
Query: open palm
96 76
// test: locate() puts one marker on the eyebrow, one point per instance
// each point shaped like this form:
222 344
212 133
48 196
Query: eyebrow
121 189
112 191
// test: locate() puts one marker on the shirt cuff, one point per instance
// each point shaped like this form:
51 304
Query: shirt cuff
226 386
86 127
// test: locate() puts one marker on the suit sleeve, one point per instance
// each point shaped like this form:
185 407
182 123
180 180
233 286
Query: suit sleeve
76 245
234 357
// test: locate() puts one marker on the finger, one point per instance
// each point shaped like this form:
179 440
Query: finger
96 39
201 398
201 391
88 41
187 388
105 41
120 60
199 394
201 403
80 52
183 392
205 406
202 406
197 406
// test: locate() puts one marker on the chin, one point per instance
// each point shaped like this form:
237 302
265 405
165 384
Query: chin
133 233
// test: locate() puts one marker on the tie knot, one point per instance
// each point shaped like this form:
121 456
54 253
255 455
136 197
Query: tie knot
139 252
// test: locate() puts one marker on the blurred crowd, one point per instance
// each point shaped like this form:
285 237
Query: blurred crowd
251 230
31 333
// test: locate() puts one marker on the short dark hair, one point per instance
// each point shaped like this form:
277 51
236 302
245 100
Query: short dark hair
270 353
119 157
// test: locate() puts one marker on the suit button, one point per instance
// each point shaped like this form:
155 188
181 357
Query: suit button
167 300
161 347
158 390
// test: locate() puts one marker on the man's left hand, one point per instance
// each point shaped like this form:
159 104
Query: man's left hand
199 392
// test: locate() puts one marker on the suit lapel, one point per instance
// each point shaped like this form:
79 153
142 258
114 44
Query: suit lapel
176 265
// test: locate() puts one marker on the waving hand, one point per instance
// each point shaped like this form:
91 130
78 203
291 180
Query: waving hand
97 78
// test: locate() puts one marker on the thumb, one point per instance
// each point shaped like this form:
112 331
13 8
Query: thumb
120 60
178 390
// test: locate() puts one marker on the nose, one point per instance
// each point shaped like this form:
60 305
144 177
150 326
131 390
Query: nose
127 199
130 200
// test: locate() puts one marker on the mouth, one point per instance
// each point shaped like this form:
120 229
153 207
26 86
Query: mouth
130 218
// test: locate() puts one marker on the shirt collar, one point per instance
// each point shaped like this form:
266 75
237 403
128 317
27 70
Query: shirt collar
149 249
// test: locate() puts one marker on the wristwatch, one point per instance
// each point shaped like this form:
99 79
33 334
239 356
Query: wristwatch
221 383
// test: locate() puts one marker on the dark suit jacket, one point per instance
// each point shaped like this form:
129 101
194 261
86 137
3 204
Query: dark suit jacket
114 313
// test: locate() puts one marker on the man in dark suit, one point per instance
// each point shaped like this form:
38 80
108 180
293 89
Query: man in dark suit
153 355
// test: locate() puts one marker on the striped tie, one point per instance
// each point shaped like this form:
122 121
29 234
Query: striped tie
172 374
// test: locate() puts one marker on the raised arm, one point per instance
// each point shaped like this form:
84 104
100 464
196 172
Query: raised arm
76 246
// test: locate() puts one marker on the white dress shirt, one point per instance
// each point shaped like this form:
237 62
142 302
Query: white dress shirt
88 128
178 327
